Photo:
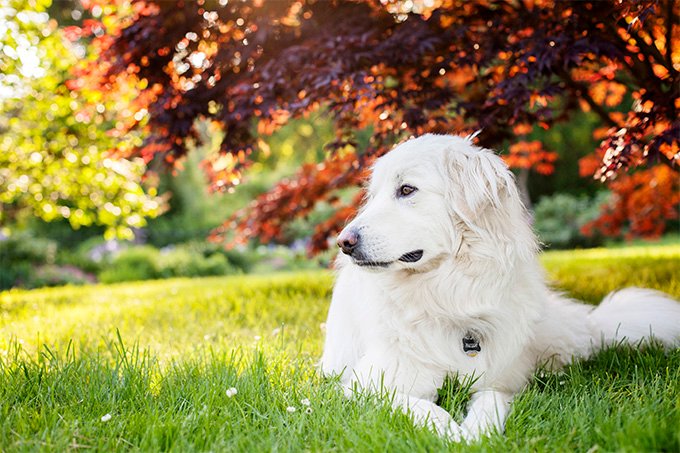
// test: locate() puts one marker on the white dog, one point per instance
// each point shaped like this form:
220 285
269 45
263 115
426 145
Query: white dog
440 277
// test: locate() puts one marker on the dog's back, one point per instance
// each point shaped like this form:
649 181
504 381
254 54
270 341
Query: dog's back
569 329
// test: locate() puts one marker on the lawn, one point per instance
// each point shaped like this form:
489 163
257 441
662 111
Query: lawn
227 364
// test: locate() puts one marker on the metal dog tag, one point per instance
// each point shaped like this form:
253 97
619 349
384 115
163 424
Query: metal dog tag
471 344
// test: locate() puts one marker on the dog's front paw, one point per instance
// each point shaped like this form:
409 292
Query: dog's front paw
469 436
451 431
442 423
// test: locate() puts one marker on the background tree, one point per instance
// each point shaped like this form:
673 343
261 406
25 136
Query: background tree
394 68
57 144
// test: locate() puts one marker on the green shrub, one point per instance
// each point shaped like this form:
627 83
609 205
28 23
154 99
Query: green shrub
19 254
53 275
242 260
147 262
25 247
279 258
558 220
185 261
238 260
213 265
60 231
80 258
135 263
177 263
14 274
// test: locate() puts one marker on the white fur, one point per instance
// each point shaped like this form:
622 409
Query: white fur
400 326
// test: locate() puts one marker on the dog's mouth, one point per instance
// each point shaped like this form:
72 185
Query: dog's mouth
367 263
410 257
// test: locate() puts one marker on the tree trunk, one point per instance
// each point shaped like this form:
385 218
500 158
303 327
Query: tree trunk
523 184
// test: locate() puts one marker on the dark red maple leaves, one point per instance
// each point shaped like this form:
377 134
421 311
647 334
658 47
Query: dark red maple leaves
455 67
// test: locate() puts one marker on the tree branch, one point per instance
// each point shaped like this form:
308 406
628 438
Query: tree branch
649 49
637 69
581 90
670 23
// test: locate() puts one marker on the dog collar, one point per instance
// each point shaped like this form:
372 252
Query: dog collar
471 344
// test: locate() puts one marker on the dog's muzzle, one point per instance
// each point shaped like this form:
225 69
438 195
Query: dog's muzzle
349 242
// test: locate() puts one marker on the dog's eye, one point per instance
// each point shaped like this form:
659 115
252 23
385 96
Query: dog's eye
405 191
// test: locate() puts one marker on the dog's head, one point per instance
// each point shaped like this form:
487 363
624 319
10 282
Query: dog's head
436 197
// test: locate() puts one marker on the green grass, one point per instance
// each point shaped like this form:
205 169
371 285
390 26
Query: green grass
590 274
159 357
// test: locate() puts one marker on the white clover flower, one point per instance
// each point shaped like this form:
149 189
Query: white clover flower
291 409
305 402
106 417
231 392
257 337
308 410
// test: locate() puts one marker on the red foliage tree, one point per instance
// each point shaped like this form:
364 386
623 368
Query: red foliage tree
455 66
641 206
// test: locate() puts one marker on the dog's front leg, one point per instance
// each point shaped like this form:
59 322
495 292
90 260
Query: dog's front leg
427 413
486 412
411 388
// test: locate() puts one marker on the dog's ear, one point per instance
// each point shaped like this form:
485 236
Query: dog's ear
483 197
479 181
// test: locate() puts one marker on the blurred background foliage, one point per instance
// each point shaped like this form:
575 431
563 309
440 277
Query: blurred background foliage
74 211
56 149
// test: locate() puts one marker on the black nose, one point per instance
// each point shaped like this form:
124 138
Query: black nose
348 241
